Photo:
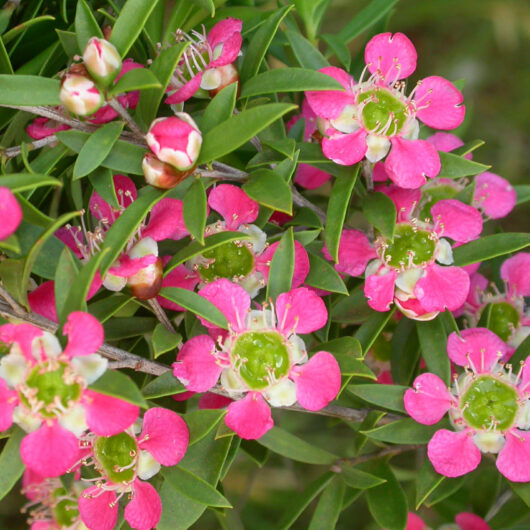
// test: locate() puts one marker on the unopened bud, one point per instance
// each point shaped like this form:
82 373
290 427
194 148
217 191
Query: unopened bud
102 60
162 175
147 282
175 140
80 95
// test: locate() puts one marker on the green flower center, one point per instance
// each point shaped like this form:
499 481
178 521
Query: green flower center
384 113
487 400
258 354
410 245
227 261
504 318
114 453
434 194
65 511
50 386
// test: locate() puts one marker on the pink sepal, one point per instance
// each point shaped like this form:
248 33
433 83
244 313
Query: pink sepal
8 401
250 418
42 300
428 400
494 195
99 512
379 289
164 220
144 510
301 311
85 334
10 213
355 251
470 521
516 272
126 193
456 220
345 149
394 56
310 177
106 415
234 205
514 457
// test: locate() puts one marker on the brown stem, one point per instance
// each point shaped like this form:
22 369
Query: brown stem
17 308
161 314
122 111
11 152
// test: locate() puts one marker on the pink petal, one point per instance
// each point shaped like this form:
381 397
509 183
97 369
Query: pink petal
410 161
8 401
355 251
514 454
428 400
224 29
22 334
345 149
126 193
85 334
453 454
183 396
230 51
186 91
444 103
477 287
379 174
231 299
213 401
50 451
97 282
477 346
442 288
516 272
42 300
106 415
379 289
130 266
99 512
181 277
234 205
330 103
494 195
310 120
164 220
317 381
470 521
300 310
10 213
196 365
144 510
404 199
250 418
415 523
456 220
103 115
66 235
445 142
168 436
394 56
310 177
41 128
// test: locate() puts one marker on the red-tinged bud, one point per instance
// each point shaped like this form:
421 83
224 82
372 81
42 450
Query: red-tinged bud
215 79
162 175
175 140
102 60
80 95
147 282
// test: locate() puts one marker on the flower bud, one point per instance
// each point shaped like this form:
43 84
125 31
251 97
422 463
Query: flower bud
175 140
160 174
215 79
102 60
147 282
79 95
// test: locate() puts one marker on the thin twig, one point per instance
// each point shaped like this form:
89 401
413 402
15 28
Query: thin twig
161 314
368 174
17 308
10 152
300 200
387 451
122 111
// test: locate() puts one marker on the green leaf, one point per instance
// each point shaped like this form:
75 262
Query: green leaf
164 340
489 247
288 80
286 444
523 193
96 148
164 385
260 42
8 36
68 40
323 276
207 5
380 211
103 182
266 187
10 462
18 182
342 346
371 328
355 478
306 54
404 351
220 108
196 304
11 244
428 480
386 396
329 506
28 90
352 309
239 129
194 487
433 342
194 210
521 353
339 48
65 274
447 487
136 79
338 207
131 21
201 422
523 490
405 431
454 166
85 25
118 385
282 267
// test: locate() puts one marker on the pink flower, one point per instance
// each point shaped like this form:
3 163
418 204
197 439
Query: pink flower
10 213
261 358
488 407
464 521
80 95
44 390
125 461
373 118
207 61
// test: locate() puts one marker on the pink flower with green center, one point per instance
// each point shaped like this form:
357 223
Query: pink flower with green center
488 405
45 391
262 358
374 118
124 462
10 213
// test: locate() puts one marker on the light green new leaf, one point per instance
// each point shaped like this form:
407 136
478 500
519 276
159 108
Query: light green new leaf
194 210
282 267
10 462
266 187
28 90
18 182
85 25
454 166
118 385
322 275
136 79
380 211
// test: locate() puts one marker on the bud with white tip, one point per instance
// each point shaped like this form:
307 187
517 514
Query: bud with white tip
162 175
102 60
80 95
147 282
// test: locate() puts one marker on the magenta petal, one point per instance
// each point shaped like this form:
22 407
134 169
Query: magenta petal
126 193
428 400
196 365
186 91
379 289
130 266
85 334
301 263
494 195
410 161
470 521
167 436
234 205
229 52
456 220
415 522
317 381
345 149
514 457
445 142
453 454
250 418
10 213
405 200
106 415
66 235
442 288
100 511
394 56
181 277
310 177
477 346
443 102
22 334
300 310
355 251
144 510
516 272
224 29
50 451
41 128
42 300
213 401
8 401
165 219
